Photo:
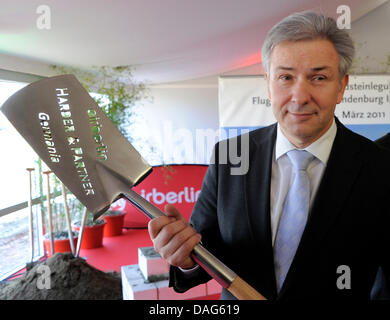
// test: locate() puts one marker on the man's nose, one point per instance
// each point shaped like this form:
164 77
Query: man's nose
301 92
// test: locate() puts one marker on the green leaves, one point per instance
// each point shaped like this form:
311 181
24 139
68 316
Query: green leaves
116 89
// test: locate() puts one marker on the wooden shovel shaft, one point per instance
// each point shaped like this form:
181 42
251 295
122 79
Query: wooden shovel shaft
243 291
31 222
50 216
67 216
220 272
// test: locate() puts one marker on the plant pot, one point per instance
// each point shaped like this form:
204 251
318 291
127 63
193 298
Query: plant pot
60 245
114 224
93 235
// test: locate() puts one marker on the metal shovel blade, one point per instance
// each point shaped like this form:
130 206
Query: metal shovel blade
76 140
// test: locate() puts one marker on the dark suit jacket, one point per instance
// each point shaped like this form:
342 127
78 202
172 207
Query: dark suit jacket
347 225
380 291
384 141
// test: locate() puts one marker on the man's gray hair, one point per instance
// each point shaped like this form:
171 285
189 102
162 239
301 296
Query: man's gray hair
309 25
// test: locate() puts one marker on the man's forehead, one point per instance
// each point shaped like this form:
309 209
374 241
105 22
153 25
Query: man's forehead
314 55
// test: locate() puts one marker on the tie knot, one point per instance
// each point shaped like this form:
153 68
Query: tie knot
300 158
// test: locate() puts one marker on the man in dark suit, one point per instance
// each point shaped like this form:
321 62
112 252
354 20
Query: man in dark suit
293 231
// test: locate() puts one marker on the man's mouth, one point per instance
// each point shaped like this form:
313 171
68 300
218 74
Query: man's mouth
302 115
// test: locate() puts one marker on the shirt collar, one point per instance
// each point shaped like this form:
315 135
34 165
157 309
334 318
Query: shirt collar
320 148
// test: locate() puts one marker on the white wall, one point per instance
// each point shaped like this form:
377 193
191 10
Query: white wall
371 36
174 120
19 64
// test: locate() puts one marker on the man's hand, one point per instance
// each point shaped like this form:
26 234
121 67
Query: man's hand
173 238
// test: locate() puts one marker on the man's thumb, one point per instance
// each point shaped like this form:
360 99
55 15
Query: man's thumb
172 211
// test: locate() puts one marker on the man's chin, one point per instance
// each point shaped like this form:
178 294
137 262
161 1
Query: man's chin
300 133
300 128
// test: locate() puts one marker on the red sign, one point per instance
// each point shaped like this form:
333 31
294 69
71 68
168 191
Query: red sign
175 184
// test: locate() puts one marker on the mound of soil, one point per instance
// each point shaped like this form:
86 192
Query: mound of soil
70 279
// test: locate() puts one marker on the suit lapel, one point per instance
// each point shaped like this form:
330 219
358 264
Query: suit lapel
342 169
257 193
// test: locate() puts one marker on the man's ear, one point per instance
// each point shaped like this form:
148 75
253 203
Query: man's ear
343 84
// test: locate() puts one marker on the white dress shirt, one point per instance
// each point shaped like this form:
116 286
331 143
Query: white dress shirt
282 173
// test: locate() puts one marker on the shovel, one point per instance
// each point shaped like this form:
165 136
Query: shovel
78 142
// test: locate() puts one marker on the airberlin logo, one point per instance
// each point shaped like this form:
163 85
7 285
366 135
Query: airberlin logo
188 195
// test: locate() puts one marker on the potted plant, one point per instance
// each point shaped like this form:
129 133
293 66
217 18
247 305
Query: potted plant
61 242
120 96
60 228
114 224
114 90
93 232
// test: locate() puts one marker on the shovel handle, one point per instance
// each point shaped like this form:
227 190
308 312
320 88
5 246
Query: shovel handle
67 216
81 232
50 215
31 222
212 265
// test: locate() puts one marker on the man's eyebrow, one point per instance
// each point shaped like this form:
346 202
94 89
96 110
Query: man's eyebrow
315 69
321 68
284 68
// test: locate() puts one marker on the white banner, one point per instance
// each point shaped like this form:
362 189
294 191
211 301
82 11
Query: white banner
244 103
366 101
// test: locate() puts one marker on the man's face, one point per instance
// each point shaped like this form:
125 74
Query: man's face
304 87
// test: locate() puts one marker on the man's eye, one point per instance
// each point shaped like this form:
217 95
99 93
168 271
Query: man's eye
319 78
285 77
